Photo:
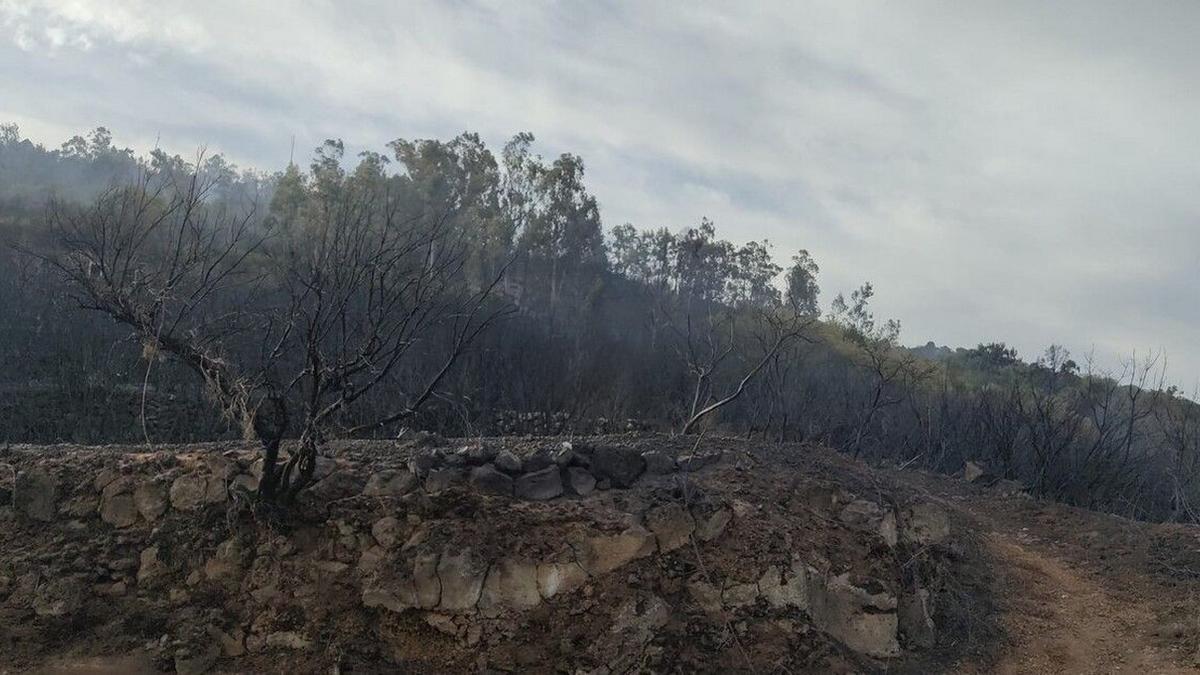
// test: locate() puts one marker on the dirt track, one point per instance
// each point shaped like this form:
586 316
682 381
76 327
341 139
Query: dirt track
1080 592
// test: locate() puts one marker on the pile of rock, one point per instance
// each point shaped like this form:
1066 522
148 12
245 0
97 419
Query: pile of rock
565 469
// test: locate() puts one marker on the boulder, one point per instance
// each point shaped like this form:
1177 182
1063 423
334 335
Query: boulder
559 577
150 498
386 531
426 584
869 516
507 462
658 462
188 492
739 595
915 620
620 466
118 510
540 485
150 568
440 480
510 584
924 524
390 483
489 479
712 527
671 524
582 482
461 577
785 590
863 621
35 494
601 555
421 464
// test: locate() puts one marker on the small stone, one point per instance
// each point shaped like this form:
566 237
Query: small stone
198 661
489 479
507 462
188 492
582 482
540 485
288 640
151 567
233 644
390 483
973 471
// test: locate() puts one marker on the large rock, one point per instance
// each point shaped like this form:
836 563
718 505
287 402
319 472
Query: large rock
540 485
600 555
188 492
916 620
35 494
440 480
510 584
973 471
712 527
620 466
390 483
781 589
671 524
863 621
507 462
151 567
150 498
489 479
426 583
658 462
118 510
924 524
869 516
559 577
582 482
461 577
386 531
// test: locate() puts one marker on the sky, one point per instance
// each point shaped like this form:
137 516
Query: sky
1011 171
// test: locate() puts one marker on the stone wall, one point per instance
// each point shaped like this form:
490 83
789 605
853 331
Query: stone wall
492 551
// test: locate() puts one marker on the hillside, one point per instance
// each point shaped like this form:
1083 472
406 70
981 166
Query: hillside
629 553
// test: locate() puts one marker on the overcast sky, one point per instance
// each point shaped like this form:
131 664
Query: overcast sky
1025 172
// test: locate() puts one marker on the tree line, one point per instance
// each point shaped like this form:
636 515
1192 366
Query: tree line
440 285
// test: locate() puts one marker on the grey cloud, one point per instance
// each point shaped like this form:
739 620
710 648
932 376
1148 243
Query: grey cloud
1019 171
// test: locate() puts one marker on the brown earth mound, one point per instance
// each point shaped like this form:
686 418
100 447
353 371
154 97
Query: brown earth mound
614 554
